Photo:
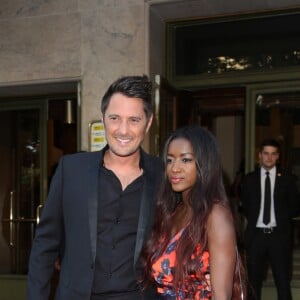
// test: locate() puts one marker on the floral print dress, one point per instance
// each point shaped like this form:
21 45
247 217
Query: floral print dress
162 272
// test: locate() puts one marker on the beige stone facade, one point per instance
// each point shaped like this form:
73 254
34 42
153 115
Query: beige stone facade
96 41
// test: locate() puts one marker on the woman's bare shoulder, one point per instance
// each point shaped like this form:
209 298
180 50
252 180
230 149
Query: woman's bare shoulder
220 221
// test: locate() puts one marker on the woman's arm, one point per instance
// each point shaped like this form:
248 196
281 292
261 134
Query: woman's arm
221 244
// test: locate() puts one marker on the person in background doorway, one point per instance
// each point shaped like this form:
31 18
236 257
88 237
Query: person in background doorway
270 200
192 252
100 207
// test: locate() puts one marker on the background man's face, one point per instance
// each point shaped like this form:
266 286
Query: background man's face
268 157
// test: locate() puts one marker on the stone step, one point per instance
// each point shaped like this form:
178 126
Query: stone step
295 282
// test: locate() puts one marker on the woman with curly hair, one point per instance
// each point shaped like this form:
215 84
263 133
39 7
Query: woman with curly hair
192 252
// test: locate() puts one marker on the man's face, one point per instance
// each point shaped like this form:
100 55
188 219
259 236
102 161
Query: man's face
125 124
268 157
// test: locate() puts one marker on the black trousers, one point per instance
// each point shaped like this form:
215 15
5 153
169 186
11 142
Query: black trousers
165 297
136 295
275 248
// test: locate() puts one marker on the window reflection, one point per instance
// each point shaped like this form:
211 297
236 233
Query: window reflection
224 46
223 64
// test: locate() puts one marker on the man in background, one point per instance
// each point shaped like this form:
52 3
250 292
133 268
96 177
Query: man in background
269 202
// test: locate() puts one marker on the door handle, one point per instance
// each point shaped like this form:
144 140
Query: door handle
11 219
38 213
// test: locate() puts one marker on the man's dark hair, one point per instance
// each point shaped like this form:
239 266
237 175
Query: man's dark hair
133 87
269 142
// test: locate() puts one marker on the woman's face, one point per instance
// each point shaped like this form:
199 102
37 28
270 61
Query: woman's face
181 166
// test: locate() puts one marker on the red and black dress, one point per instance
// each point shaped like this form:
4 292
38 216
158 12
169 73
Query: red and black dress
163 270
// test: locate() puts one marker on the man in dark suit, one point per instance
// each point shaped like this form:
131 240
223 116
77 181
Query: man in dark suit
100 207
269 200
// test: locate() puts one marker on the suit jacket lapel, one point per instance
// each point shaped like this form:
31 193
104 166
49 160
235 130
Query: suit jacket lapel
147 205
146 212
258 185
277 185
92 199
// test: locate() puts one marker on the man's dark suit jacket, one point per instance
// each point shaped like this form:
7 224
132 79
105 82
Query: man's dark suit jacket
68 227
286 201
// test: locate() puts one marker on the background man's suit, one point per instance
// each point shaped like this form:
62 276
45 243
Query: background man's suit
73 201
277 244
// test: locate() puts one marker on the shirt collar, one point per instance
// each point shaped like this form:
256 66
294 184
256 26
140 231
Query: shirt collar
272 171
141 163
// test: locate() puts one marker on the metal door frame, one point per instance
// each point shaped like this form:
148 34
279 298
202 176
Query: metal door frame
251 94
9 105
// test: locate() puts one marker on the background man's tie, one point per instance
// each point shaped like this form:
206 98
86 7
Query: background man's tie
267 206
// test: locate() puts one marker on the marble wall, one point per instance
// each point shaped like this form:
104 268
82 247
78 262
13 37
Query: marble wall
39 40
96 41
113 44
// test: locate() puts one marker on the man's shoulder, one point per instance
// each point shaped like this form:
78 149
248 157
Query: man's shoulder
152 160
252 174
283 173
250 177
82 157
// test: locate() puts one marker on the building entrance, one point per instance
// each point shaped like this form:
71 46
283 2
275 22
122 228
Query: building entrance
35 133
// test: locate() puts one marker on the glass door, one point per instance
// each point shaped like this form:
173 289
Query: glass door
220 110
34 133
21 177
172 109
